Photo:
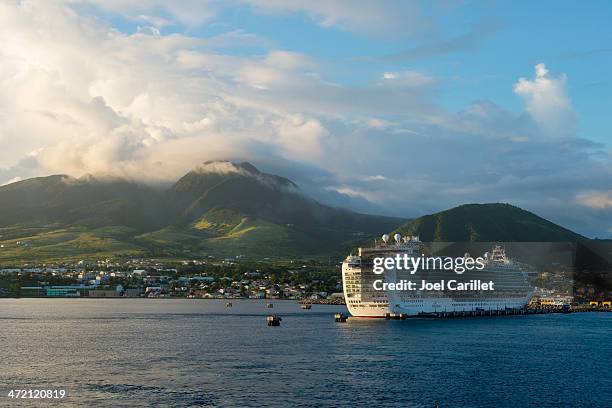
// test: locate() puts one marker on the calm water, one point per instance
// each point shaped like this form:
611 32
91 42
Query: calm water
141 352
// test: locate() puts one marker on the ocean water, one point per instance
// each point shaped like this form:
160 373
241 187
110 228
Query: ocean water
184 353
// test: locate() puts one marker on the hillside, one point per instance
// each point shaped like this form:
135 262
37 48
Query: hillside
219 209
87 201
487 223
242 210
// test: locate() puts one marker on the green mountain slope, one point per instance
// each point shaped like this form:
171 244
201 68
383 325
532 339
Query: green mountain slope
87 201
220 208
245 211
486 223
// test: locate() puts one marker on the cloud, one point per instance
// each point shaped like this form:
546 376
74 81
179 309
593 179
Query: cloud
547 101
11 181
221 167
368 17
79 96
407 78
596 199
582 54
90 99
378 177
465 42
191 13
301 137
355 193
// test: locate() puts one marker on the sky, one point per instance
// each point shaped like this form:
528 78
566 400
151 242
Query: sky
392 107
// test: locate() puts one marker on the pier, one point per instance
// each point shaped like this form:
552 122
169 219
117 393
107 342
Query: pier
528 310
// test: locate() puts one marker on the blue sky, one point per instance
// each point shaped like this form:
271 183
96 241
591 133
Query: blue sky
509 39
392 107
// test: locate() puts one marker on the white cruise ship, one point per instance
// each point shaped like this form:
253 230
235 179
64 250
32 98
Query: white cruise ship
512 287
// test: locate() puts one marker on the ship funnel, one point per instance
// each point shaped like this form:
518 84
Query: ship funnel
385 238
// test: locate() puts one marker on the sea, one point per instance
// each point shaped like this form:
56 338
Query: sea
200 353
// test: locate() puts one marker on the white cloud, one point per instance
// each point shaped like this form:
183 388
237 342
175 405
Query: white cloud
371 17
300 137
90 99
355 193
11 181
77 96
596 199
368 17
407 78
378 177
187 12
377 123
547 101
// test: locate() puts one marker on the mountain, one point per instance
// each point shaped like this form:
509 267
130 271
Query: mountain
87 201
487 223
242 189
244 210
223 209
220 208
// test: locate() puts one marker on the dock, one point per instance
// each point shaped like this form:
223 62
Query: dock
528 310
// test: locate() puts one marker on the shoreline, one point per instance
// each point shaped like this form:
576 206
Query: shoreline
298 301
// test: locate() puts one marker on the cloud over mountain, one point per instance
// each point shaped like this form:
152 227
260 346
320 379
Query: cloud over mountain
80 93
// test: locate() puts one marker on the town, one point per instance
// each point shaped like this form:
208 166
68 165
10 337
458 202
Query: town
308 281
214 279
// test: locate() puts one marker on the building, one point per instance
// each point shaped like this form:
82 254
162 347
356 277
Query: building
202 279
33 291
557 300
103 293
56 291
132 292
63 291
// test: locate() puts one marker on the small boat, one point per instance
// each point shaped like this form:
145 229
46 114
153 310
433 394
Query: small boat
273 320
229 304
269 305
306 306
340 318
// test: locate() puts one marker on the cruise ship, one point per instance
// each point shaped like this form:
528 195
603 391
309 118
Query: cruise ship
512 287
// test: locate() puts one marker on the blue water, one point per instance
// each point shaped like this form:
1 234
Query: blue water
144 352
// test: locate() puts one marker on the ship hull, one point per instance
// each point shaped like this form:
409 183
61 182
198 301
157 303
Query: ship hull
437 305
